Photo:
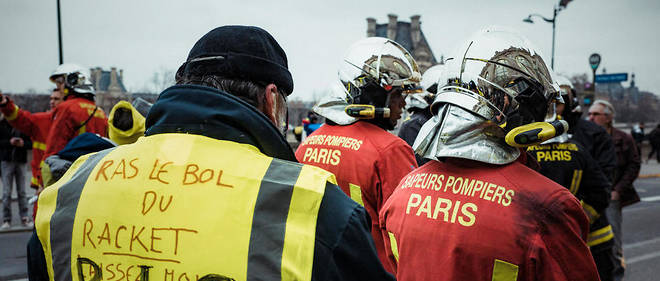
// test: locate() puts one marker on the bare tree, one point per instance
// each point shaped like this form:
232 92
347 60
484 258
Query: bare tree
161 80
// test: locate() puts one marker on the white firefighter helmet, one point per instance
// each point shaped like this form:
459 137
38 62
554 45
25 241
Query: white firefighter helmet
371 69
563 81
497 82
379 62
75 78
429 85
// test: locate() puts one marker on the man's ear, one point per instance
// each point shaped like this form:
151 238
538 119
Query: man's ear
270 94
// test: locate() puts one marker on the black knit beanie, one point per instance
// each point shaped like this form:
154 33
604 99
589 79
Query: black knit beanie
240 52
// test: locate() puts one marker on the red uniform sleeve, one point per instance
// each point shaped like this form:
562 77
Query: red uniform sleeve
19 118
61 131
396 161
561 252
390 245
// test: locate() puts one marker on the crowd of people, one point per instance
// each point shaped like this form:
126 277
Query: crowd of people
496 176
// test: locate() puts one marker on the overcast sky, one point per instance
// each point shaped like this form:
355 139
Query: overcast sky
147 36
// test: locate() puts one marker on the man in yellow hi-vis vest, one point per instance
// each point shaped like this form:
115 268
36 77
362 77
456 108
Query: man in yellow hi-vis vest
211 193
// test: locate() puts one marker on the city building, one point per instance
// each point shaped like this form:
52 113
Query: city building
109 87
409 35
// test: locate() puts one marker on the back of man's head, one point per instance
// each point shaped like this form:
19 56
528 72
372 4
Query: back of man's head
240 60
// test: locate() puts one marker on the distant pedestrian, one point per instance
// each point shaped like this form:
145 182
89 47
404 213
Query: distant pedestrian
637 133
626 171
654 141
13 153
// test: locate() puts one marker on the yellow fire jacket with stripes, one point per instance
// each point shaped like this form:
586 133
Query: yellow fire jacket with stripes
570 165
193 206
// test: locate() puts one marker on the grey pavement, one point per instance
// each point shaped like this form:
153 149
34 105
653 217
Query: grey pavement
651 168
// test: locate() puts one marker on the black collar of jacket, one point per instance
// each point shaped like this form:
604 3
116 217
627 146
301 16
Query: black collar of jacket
201 110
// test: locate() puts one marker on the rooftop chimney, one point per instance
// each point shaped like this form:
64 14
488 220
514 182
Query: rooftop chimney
391 26
371 27
415 30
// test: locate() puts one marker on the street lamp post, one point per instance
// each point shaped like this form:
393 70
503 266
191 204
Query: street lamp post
59 31
553 21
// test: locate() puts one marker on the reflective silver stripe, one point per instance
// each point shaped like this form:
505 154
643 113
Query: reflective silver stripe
269 221
61 223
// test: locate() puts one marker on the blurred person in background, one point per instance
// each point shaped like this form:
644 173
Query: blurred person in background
638 135
628 163
654 141
13 153
35 125
311 123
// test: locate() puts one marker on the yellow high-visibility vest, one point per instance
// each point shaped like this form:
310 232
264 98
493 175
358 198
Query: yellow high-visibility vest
181 207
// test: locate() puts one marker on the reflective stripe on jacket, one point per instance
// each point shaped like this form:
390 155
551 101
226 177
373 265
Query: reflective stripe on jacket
570 165
153 207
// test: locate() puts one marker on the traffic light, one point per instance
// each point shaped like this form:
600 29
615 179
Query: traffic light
587 100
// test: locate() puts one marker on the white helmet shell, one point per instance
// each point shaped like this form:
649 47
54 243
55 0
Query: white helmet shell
429 78
379 60
75 76
563 81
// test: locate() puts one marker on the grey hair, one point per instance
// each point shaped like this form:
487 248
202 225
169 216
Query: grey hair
247 91
607 106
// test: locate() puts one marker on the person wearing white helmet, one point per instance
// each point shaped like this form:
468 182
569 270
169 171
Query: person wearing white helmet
375 75
72 78
475 212
78 113
628 164
418 106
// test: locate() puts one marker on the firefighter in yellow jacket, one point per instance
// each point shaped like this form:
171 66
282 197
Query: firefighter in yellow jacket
211 193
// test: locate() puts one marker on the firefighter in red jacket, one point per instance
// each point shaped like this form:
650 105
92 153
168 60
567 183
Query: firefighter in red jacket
480 214
78 113
35 125
354 143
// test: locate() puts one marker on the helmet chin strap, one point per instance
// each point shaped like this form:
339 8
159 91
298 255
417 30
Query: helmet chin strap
535 133
368 111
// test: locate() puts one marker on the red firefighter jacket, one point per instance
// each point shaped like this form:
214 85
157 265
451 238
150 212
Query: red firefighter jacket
465 220
69 119
368 162
34 125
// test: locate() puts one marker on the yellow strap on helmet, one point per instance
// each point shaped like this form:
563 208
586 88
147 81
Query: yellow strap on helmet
535 133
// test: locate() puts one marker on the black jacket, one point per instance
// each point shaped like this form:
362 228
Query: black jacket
344 249
598 143
9 152
571 166
410 129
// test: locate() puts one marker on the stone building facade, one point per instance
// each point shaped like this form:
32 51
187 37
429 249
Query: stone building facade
109 87
408 34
